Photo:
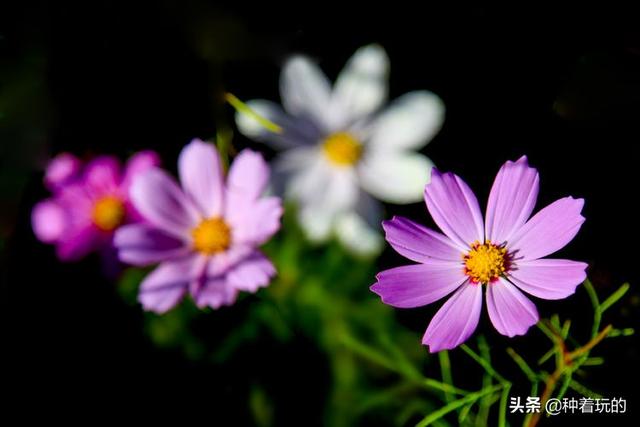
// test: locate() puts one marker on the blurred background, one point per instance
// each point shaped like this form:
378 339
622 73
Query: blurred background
561 86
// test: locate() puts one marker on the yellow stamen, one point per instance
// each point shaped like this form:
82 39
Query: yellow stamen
108 213
211 236
342 149
485 262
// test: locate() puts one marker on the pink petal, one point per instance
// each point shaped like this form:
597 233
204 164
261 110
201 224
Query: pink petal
252 273
166 285
248 175
216 293
418 243
61 170
456 320
257 222
102 176
201 177
143 244
419 284
161 202
512 199
48 220
454 208
221 263
77 242
137 164
548 278
510 311
549 230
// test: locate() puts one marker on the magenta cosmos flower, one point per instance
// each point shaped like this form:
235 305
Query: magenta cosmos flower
88 203
504 253
204 235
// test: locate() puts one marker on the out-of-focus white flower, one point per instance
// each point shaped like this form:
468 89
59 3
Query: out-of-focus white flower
340 148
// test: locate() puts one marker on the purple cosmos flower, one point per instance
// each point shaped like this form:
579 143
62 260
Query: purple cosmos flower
503 252
205 234
87 204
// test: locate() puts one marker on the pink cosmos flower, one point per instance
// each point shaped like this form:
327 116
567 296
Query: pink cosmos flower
204 235
87 204
504 253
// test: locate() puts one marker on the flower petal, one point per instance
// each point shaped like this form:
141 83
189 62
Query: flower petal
419 243
78 241
102 176
259 223
395 177
201 177
252 273
409 122
361 87
294 131
48 220
454 208
248 175
417 285
165 286
316 224
549 230
222 262
456 320
61 170
549 278
510 311
357 235
323 187
137 164
305 90
512 199
143 244
216 293
161 202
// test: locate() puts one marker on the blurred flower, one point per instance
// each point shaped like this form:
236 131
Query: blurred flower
205 234
340 148
504 253
88 203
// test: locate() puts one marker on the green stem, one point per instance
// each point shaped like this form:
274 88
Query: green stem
445 369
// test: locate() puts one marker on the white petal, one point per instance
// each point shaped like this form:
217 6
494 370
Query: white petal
294 131
358 236
395 177
361 87
316 224
327 188
409 122
305 90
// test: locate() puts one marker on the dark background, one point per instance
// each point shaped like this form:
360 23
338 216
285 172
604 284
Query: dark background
562 86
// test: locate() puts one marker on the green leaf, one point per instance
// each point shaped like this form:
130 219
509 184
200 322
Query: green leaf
614 297
532 376
471 397
484 363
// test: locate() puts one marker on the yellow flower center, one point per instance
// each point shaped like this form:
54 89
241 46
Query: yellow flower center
342 149
108 213
211 236
485 262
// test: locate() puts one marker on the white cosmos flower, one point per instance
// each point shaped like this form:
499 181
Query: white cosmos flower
341 150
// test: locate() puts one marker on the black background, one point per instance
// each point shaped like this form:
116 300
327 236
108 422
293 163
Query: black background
562 86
